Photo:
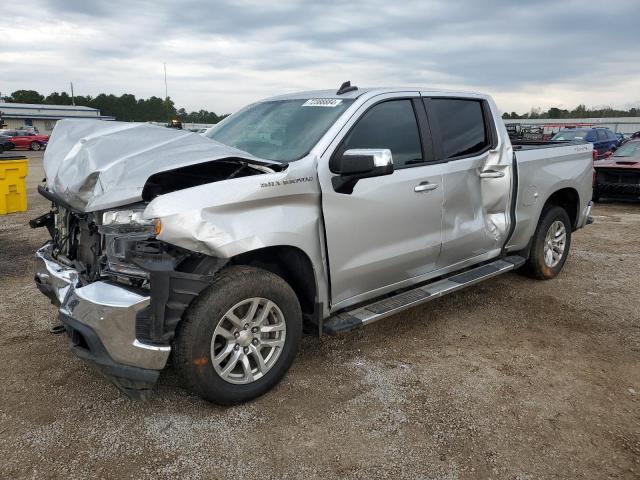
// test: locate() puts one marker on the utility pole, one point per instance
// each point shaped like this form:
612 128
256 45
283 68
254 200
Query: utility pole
73 100
166 93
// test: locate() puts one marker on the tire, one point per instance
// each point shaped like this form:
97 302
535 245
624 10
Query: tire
1 149
35 146
205 343
539 265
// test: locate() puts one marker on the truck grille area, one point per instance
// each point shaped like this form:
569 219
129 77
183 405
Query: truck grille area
97 251
618 181
77 242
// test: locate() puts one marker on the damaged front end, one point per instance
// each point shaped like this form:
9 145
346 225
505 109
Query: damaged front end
120 291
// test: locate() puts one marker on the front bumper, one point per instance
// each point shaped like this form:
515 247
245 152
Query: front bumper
618 189
101 321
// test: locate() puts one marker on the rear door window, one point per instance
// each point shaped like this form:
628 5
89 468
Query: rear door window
462 126
602 134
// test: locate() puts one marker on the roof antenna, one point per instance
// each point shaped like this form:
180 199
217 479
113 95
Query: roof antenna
346 88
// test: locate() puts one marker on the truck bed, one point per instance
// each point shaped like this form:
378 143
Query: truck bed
545 167
519 145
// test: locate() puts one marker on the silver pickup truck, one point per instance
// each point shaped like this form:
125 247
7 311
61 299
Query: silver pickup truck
314 212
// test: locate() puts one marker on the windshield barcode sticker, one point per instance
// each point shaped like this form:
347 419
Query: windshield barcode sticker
322 102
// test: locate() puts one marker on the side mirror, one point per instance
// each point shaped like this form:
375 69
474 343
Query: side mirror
359 163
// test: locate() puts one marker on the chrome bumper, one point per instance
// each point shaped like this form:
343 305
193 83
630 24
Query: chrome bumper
105 309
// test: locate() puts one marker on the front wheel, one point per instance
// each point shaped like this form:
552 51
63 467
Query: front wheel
240 336
35 146
550 246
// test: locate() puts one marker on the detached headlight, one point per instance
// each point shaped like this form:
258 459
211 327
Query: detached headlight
130 219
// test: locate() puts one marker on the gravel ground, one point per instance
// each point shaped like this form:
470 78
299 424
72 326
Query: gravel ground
510 379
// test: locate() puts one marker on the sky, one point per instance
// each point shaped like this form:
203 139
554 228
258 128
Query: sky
221 55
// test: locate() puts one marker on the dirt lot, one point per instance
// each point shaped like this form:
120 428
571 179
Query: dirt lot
511 379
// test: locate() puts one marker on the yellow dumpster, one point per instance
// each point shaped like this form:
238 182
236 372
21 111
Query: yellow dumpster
13 187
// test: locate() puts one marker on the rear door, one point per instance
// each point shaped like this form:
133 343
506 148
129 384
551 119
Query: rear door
386 233
602 142
21 140
477 179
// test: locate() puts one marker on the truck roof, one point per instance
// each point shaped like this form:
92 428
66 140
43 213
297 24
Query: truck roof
370 92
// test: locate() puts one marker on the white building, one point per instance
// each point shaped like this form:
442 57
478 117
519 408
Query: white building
43 117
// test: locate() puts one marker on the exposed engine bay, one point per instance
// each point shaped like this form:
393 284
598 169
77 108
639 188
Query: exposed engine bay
200 174
112 243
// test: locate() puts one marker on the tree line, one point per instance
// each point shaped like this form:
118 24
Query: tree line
126 107
581 111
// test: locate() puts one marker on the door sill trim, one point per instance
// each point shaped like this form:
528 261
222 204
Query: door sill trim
346 320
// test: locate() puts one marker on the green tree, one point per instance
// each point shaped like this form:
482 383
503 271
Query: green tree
579 112
124 107
56 98
26 96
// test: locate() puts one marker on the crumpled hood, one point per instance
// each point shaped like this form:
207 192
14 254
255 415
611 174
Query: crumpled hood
93 164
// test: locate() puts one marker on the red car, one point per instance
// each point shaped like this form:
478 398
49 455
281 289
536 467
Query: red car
619 174
25 139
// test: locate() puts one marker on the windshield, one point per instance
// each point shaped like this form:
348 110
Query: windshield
570 135
631 149
281 130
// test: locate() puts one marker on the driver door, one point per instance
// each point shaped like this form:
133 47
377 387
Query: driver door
386 234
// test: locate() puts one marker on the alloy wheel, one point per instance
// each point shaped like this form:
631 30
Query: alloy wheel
248 340
555 243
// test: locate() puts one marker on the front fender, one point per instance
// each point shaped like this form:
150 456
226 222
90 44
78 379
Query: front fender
232 217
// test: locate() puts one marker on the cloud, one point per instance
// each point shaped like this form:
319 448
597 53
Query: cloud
221 55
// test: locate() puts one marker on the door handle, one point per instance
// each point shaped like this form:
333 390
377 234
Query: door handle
425 187
491 174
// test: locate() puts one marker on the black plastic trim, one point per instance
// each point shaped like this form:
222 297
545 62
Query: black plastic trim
135 382
171 292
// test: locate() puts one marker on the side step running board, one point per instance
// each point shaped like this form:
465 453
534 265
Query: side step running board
363 315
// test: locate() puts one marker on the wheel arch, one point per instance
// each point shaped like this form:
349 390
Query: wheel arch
290 263
569 199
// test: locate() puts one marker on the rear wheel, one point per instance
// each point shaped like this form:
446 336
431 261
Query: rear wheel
550 246
240 337
35 146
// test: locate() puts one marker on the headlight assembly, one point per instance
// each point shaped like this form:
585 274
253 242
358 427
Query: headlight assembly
125 217
130 221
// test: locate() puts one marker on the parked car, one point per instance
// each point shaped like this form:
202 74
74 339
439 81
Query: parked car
602 138
525 132
318 212
5 144
619 174
25 139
